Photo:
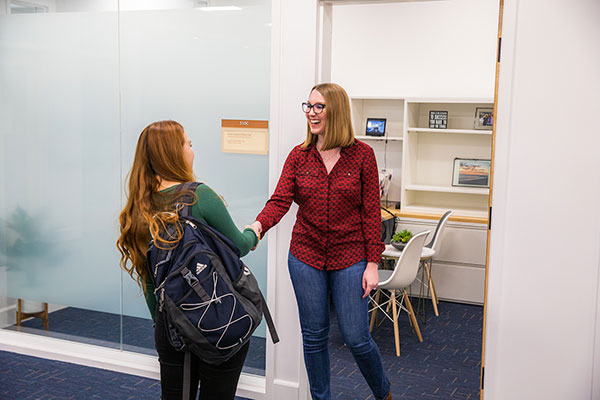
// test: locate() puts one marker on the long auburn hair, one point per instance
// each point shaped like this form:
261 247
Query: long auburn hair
338 129
158 156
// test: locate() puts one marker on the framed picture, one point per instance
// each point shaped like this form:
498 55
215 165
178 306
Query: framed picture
471 172
484 118
376 126
438 119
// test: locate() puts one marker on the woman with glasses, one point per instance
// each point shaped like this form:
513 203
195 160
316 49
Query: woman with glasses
336 241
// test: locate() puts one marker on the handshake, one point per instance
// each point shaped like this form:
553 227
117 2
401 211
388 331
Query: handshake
256 226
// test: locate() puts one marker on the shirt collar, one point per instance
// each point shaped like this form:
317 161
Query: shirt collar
342 151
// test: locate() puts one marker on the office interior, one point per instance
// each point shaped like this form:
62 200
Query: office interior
80 79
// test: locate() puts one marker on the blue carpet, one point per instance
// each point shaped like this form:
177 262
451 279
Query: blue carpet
103 329
445 366
27 378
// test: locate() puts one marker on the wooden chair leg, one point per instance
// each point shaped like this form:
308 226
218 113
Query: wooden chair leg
45 316
412 315
19 311
421 301
375 308
434 299
387 309
437 300
395 316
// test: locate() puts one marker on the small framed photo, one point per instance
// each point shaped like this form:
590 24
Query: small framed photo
376 126
484 118
471 172
438 119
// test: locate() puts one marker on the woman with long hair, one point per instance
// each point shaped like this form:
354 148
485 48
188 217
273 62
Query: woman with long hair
336 242
163 161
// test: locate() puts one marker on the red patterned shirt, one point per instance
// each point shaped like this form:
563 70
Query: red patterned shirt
338 221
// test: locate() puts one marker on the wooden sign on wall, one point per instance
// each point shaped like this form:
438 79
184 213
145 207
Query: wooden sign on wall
244 136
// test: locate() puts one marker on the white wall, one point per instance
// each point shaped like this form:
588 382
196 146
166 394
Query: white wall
416 49
543 318
293 73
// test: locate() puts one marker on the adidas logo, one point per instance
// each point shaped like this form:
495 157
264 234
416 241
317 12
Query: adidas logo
200 267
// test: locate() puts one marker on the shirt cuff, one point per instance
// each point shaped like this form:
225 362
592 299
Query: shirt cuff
374 252
253 234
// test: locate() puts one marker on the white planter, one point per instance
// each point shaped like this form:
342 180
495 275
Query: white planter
31 306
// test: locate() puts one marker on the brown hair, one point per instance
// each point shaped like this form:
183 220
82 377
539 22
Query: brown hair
338 129
158 156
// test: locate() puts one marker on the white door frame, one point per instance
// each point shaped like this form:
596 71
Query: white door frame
293 72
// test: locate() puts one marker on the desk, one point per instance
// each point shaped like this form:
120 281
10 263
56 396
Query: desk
454 218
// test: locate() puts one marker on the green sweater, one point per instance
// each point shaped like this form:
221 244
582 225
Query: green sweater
210 209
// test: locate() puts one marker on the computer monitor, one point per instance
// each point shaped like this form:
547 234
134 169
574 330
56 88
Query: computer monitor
375 126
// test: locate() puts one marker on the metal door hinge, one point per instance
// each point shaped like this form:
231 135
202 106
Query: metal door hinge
499 48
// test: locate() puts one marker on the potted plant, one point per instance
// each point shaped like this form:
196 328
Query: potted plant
400 239
25 248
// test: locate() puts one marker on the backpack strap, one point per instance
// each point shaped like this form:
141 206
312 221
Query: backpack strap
269 319
187 372
185 210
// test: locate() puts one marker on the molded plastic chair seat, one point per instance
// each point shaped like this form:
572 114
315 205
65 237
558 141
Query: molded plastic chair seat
429 251
396 281
384 276
392 252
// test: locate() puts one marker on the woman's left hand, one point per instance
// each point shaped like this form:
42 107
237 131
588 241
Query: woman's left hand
370 278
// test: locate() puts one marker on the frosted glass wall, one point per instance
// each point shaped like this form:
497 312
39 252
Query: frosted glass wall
77 85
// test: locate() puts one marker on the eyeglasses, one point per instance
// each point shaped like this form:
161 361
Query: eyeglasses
317 108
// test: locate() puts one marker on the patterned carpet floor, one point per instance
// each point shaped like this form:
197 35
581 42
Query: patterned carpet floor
445 366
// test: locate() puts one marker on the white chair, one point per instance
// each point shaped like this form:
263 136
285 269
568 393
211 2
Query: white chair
427 254
396 281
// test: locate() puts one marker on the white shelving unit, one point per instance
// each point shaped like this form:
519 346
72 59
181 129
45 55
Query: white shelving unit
392 109
422 160
378 138
388 148
463 131
428 158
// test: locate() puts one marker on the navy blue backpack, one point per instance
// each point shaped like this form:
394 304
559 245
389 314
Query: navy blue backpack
210 300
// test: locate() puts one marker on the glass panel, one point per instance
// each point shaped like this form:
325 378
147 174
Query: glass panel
77 85
60 177
198 68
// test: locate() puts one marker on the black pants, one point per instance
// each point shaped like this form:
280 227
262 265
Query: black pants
216 381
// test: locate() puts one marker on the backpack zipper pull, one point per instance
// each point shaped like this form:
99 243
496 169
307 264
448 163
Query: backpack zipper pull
161 301
190 223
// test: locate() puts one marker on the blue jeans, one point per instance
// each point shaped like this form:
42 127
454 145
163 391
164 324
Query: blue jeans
312 288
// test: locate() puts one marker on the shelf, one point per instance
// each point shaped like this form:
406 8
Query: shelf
464 214
451 100
449 189
380 138
462 131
